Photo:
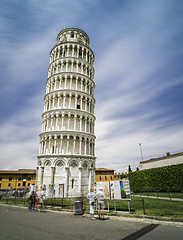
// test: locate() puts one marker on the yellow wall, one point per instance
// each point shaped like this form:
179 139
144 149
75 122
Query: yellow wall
104 176
17 180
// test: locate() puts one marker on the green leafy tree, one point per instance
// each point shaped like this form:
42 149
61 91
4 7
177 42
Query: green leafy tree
123 175
129 169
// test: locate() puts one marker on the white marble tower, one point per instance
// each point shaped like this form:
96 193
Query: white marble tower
66 160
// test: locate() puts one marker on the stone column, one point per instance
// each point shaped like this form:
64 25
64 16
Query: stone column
58 101
72 50
72 62
85 146
77 83
69 118
53 101
41 146
66 181
80 123
70 96
77 51
89 180
74 145
80 141
85 124
62 125
49 144
79 181
42 175
67 150
56 123
76 96
89 106
55 144
64 96
71 82
81 102
77 66
75 116
61 138
52 175
65 83
82 84
51 122
66 66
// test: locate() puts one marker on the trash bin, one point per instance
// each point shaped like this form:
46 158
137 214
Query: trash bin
78 207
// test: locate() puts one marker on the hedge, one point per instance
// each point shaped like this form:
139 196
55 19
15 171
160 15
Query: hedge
162 179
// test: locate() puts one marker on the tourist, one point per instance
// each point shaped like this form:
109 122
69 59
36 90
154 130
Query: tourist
101 203
42 200
91 197
36 201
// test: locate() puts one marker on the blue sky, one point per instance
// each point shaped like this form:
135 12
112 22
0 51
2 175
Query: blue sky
138 47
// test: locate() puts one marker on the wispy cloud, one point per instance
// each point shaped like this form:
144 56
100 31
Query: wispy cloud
139 76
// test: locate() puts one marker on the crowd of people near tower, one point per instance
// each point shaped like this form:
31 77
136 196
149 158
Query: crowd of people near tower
37 201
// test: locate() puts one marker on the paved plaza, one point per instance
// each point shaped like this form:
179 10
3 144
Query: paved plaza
18 223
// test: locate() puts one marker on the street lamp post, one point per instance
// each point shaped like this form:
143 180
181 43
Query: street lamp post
141 151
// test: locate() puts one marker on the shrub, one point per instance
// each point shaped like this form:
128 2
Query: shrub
162 179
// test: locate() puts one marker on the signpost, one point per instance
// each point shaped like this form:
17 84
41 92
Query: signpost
116 190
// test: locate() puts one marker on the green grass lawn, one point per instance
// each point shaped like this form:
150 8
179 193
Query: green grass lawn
153 207
162 194
158 207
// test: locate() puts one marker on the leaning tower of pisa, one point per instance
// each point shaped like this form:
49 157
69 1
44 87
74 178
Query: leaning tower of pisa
66 160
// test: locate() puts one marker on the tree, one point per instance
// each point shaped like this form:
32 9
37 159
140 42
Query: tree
123 175
129 169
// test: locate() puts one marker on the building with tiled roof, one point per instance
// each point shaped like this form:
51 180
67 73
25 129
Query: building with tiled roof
104 174
20 178
171 159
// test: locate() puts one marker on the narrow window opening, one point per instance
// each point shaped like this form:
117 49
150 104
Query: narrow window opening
80 53
72 183
78 106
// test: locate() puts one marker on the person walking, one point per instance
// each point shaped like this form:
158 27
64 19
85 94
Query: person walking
91 197
33 200
36 201
42 200
30 202
101 202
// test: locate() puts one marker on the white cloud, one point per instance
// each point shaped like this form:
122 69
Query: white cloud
133 48
19 143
